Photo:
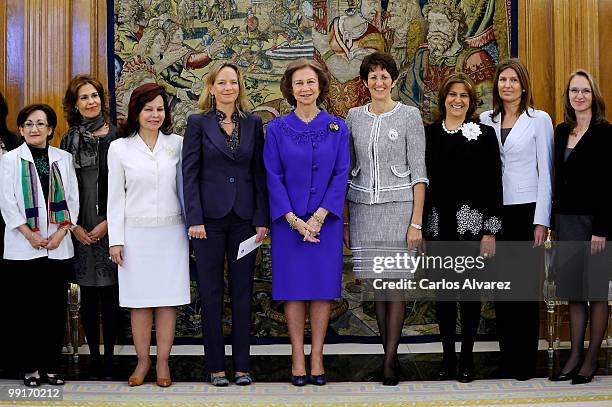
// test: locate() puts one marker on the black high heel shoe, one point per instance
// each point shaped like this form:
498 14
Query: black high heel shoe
55 379
580 379
466 374
390 381
564 377
31 381
447 371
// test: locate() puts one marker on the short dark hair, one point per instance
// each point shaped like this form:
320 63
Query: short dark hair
286 85
462 78
378 60
24 113
73 117
139 98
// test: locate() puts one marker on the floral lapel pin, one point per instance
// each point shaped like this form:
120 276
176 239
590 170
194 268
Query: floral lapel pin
393 134
169 150
333 126
471 130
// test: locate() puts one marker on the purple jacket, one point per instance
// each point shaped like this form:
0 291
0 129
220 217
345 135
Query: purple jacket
307 164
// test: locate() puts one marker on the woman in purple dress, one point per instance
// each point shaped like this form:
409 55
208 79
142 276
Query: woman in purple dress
306 154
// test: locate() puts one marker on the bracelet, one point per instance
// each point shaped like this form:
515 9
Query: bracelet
292 221
416 226
317 218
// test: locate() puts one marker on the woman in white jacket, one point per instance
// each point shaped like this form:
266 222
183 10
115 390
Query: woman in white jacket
525 137
146 229
39 199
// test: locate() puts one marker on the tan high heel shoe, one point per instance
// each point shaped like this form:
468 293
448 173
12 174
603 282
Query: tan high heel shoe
134 380
163 382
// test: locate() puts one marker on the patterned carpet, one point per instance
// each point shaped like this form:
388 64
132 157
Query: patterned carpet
540 392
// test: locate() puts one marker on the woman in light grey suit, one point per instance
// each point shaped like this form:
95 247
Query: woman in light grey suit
525 137
386 191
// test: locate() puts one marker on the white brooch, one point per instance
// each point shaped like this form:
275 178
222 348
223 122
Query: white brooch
393 134
169 150
471 130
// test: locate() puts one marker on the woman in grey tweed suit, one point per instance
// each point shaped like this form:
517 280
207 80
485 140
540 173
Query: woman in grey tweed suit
386 192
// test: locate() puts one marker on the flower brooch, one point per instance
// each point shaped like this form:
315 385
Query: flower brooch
169 150
333 126
471 130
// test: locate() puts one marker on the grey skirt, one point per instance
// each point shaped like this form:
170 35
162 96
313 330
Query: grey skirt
378 232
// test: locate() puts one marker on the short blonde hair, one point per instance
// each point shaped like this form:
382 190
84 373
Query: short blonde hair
206 103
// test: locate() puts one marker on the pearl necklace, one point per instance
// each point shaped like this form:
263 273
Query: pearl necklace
307 121
450 131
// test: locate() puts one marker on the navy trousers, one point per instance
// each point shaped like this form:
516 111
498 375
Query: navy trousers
224 235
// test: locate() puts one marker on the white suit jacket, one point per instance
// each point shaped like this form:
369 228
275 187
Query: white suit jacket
16 247
527 161
144 186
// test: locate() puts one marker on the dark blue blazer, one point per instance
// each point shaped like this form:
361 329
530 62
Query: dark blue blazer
215 180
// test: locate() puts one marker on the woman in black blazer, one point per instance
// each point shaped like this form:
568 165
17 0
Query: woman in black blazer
226 202
581 213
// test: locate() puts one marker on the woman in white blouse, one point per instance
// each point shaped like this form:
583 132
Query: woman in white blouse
39 199
146 229
525 137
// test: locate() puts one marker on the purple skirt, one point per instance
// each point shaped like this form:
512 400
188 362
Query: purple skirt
303 270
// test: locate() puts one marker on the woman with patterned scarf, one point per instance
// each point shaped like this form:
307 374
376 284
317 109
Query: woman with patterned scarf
90 134
39 199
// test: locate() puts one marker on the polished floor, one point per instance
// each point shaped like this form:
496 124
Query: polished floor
339 367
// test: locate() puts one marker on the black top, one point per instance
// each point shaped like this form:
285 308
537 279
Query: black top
41 161
103 145
464 197
582 182
504 134
232 140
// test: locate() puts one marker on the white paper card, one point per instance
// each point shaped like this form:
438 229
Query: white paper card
247 247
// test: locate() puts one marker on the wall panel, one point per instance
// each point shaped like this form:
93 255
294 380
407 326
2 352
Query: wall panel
605 55
13 49
535 39
576 37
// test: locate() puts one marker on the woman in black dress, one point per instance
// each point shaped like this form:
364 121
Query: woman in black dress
462 203
8 142
88 139
581 213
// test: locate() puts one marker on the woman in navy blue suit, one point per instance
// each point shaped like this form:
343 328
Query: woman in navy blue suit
226 202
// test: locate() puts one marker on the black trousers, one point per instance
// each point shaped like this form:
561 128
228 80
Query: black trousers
518 321
223 238
9 289
99 302
39 312
446 313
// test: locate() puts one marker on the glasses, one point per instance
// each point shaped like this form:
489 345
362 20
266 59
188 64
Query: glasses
576 91
31 125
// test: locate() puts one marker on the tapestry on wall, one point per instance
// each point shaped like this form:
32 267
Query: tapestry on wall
175 43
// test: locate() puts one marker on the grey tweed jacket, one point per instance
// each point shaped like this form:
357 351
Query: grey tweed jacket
387 154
